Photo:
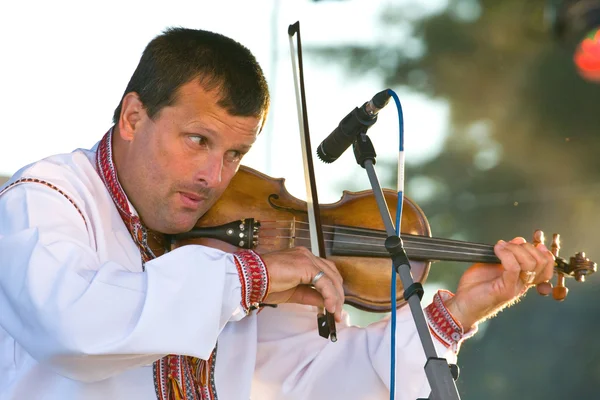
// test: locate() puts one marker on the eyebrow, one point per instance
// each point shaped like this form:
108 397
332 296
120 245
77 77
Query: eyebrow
244 148
202 127
241 147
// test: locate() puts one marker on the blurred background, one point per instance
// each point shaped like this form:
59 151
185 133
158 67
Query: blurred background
501 100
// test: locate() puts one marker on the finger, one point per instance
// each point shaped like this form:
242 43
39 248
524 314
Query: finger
530 260
331 299
525 254
515 247
334 270
509 262
544 288
518 240
537 259
548 270
329 285
306 295
544 262
332 273
327 266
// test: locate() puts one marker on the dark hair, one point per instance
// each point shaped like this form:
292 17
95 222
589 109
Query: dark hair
180 55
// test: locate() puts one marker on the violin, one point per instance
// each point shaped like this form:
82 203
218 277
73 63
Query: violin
257 212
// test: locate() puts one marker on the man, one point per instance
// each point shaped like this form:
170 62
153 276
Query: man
91 308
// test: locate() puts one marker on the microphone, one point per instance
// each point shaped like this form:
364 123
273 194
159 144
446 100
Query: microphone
358 121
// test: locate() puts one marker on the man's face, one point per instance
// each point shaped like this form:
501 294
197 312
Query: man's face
176 166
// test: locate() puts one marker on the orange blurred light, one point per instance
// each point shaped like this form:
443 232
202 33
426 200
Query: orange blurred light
587 56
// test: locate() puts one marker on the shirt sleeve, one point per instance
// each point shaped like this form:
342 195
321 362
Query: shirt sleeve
295 363
90 319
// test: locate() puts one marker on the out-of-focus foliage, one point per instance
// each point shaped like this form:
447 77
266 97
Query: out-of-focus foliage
521 155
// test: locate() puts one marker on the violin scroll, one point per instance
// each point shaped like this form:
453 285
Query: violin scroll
578 267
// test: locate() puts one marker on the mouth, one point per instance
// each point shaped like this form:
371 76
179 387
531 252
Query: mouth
191 200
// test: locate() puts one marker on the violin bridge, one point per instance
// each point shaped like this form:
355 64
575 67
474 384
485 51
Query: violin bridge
292 240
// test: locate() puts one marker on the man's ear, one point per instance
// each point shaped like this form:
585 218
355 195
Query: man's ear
132 112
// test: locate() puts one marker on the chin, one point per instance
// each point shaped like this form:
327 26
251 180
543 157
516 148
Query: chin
185 226
172 227
179 228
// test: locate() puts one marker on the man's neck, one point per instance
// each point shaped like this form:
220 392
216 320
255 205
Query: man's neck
157 242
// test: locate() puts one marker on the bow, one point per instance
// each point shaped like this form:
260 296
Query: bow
325 320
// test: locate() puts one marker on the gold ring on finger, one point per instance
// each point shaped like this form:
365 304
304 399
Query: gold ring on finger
527 277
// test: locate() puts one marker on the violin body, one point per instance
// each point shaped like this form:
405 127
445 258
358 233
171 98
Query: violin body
252 194
257 212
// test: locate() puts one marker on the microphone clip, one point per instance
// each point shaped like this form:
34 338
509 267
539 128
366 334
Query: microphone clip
364 150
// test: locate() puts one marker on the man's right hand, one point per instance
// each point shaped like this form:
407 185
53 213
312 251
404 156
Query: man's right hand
290 274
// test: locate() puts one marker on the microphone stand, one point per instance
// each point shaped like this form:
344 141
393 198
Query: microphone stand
440 375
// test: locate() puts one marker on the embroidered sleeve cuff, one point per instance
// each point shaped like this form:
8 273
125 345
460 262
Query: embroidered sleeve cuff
254 278
442 324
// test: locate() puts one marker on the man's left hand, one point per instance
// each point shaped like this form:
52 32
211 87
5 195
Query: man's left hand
484 289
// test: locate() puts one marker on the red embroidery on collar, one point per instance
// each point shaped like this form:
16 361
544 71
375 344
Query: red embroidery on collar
108 173
175 377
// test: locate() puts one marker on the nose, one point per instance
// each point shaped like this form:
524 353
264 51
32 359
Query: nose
212 171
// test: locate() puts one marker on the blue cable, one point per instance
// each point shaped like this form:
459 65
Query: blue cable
400 189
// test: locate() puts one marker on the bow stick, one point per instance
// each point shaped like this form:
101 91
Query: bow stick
325 320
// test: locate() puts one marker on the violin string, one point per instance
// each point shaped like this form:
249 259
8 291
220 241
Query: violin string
412 249
409 244
424 240
345 229
385 253
409 247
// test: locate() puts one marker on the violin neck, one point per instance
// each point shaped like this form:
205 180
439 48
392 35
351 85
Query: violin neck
370 243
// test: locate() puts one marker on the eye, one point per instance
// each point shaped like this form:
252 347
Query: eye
234 156
198 140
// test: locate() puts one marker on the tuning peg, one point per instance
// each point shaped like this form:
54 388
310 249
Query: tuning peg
560 291
543 288
538 237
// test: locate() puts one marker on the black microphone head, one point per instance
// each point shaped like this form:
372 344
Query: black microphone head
356 122
324 157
